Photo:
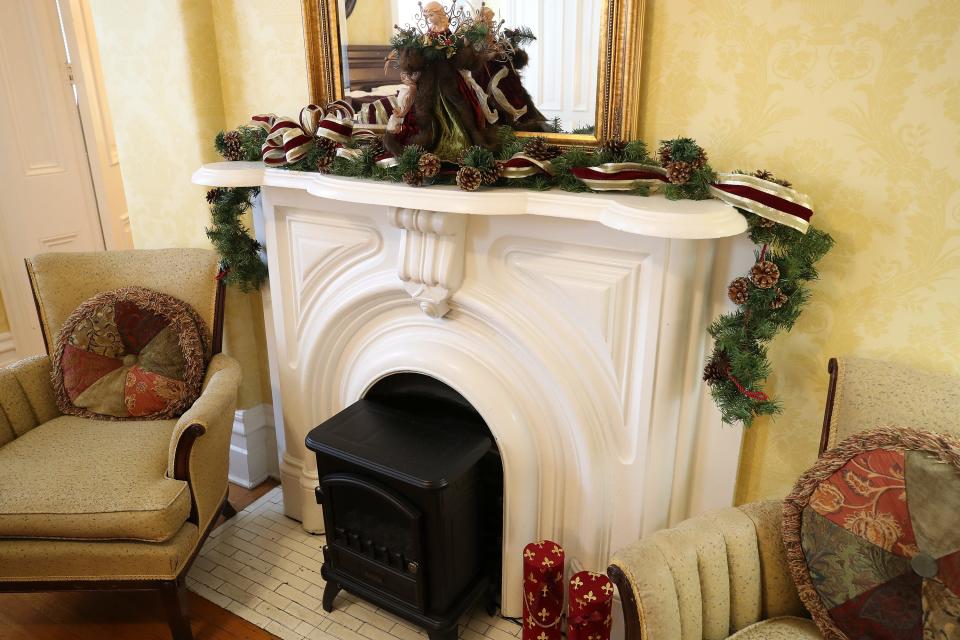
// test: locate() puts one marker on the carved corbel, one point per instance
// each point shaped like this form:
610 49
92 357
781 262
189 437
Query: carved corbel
431 256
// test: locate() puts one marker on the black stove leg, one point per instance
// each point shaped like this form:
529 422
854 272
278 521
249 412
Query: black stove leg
330 592
444 634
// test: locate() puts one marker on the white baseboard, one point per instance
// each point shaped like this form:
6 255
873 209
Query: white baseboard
8 348
253 447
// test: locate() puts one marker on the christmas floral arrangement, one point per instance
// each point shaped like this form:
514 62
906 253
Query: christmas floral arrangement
446 129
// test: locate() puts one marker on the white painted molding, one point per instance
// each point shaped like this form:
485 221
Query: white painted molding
253 447
8 348
653 216
431 256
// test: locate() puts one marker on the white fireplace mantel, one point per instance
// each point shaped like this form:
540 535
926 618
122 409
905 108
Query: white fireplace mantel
574 323
654 216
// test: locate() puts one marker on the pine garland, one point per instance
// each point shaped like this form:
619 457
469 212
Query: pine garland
239 251
738 366
769 299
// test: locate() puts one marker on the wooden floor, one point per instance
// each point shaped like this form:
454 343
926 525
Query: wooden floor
121 615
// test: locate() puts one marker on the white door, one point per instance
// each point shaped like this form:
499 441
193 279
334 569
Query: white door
47 201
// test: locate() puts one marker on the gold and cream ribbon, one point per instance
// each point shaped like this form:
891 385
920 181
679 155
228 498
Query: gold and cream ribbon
620 176
764 198
523 166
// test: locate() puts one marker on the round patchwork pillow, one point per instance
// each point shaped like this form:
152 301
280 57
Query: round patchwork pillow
130 354
872 533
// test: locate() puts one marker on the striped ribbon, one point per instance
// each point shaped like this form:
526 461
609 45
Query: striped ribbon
386 160
288 141
764 198
620 176
522 166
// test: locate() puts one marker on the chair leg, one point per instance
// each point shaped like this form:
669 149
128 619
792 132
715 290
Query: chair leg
174 596
228 510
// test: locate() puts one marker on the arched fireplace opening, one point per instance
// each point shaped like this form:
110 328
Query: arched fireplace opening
411 484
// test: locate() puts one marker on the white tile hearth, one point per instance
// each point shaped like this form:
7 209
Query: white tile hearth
263 567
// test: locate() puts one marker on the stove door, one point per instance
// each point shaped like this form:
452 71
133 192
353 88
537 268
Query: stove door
373 537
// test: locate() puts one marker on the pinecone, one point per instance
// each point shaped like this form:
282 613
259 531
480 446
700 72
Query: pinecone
328 153
679 172
376 147
490 176
717 369
414 178
765 223
538 149
739 290
700 161
615 147
429 165
765 274
469 178
325 161
232 146
663 153
215 194
763 174
780 300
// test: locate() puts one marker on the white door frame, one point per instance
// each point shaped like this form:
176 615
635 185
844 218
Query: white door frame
97 123
103 202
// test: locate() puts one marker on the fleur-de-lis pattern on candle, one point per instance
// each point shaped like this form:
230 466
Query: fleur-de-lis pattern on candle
543 563
591 606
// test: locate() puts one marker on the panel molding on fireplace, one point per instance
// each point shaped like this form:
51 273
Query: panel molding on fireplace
608 288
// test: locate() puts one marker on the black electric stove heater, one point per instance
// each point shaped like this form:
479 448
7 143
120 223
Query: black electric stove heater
404 510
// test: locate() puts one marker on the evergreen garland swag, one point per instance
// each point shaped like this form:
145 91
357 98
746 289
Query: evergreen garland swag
240 259
769 298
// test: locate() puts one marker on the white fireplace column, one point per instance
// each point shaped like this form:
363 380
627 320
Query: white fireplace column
574 324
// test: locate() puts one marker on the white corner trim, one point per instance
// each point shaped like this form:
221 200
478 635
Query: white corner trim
253 447
8 348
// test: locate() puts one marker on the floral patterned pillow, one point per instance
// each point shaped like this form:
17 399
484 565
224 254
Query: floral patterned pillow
130 354
872 533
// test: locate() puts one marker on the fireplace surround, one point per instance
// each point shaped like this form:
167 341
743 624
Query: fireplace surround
573 323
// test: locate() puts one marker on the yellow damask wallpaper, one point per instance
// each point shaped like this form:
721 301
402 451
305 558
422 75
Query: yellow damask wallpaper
856 101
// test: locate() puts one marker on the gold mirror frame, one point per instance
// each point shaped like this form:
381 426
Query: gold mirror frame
618 85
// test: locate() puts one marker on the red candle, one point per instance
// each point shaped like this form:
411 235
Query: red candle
591 606
542 590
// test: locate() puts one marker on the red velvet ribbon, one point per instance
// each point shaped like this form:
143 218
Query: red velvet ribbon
767 199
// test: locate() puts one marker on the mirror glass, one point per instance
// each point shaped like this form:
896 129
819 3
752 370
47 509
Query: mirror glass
559 69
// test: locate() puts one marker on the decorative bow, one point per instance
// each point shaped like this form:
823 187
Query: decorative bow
288 141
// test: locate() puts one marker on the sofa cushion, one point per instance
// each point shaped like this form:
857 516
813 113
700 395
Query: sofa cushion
23 560
871 536
130 354
76 478
785 628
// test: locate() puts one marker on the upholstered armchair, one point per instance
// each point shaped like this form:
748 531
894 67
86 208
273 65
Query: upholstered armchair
100 504
724 574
